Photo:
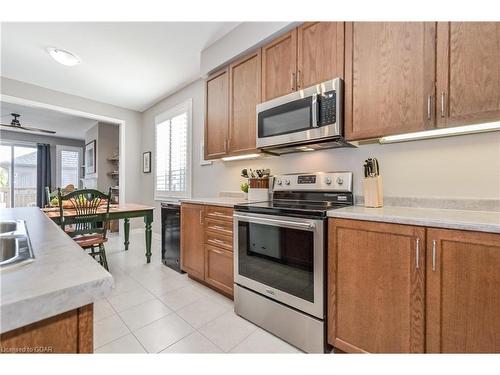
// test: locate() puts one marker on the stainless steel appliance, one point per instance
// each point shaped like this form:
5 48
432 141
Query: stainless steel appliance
170 235
306 120
279 256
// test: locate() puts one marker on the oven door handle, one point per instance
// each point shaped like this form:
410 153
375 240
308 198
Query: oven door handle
281 223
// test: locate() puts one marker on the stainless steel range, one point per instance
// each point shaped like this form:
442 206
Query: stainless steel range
280 256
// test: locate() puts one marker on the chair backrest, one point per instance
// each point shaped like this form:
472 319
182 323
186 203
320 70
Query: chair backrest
91 211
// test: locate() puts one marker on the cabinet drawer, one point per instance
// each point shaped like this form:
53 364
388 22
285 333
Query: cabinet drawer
219 213
219 240
219 268
219 227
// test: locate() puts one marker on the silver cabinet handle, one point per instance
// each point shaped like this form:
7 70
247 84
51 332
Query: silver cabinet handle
417 255
442 104
429 107
434 255
297 85
201 217
293 82
217 251
217 241
218 227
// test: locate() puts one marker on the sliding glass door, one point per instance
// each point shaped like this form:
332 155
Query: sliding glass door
18 169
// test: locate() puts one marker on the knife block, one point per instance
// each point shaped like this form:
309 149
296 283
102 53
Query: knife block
372 191
258 189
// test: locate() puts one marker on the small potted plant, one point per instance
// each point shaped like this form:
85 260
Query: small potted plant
244 189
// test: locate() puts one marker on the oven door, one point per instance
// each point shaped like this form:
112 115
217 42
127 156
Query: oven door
282 258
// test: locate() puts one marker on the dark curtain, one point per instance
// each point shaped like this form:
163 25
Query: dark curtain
43 173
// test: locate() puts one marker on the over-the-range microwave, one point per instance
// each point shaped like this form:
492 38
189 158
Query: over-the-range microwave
305 120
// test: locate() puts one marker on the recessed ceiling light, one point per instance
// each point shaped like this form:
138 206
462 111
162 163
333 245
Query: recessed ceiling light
63 57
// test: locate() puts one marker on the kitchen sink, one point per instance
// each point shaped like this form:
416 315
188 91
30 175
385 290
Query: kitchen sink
15 246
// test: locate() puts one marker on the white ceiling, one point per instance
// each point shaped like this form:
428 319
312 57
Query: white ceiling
65 126
128 64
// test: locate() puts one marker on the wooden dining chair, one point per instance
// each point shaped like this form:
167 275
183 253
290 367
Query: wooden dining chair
90 219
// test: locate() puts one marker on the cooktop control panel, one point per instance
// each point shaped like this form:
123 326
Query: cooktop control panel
319 181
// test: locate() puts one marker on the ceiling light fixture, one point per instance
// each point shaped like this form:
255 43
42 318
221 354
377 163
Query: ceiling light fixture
63 57
241 157
444 132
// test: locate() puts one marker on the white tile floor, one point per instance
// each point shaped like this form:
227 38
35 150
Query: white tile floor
153 309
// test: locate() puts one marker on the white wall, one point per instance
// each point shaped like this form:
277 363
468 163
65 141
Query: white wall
131 155
242 38
456 167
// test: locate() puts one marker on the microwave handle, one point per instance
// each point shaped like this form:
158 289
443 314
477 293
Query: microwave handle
315 106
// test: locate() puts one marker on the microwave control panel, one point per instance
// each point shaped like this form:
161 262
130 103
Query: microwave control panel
327 108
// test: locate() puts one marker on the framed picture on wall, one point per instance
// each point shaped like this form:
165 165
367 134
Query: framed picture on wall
90 157
146 162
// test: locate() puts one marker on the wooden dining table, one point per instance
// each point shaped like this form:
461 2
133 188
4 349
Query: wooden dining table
116 211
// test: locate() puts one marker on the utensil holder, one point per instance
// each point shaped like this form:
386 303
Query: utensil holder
258 189
372 191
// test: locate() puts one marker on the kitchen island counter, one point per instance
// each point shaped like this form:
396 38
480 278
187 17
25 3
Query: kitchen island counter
62 277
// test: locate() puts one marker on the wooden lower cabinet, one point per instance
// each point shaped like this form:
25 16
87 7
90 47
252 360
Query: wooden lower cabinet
69 332
376 287
379 301
219 268
192 239
463 292
207 245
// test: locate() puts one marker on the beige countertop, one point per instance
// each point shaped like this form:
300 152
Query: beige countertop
62 276
217 201
482 221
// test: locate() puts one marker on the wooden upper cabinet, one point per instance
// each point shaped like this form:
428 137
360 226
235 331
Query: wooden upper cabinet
279 66
468 72
216 114
244 95
463 292
192 239
320 52
376 275
389 78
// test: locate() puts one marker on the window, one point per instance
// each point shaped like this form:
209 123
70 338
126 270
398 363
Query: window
172 170
68 164
18 170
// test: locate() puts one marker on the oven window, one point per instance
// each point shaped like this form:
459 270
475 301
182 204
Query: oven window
287 118
281 258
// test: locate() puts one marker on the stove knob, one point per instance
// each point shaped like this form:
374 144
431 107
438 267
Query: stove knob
287 182
328 180
340 181
278 182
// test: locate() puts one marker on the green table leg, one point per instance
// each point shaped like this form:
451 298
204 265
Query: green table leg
126 230
148 219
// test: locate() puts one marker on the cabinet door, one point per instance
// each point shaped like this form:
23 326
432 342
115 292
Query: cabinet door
389 78
463 292
376 287
216 115
219 268
468 72
192 238
244 95
279 66
320 52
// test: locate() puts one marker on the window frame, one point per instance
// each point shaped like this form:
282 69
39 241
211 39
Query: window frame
186 106
59 149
